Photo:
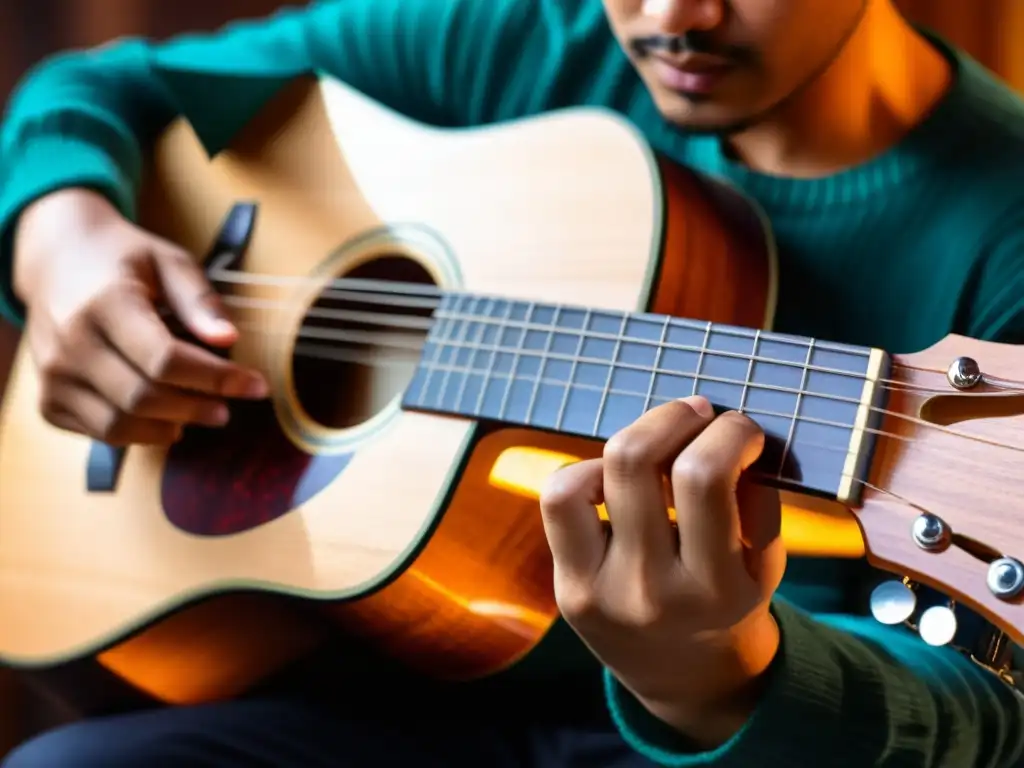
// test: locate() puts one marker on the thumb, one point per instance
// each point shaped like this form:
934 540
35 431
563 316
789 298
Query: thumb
191 297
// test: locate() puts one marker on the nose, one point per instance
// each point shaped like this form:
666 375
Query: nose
679 16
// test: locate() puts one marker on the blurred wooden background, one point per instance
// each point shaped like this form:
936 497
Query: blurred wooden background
989 29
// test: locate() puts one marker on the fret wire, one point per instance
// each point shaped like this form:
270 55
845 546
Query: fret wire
726 330
721 353
796 412
543 362
515 364
572 371
489 371
443 327
636 393
611 372
750 373
700 360
463 330
479 338
670 371
657 363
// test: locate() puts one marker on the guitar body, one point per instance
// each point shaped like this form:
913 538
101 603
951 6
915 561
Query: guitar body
207 567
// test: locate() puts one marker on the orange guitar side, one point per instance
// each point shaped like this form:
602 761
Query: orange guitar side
412 548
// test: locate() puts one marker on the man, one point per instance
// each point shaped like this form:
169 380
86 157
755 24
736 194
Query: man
890 165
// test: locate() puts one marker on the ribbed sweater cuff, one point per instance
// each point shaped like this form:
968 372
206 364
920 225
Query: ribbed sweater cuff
800 722
42 165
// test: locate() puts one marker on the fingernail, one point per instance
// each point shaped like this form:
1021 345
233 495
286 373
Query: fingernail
245 385
701 405
219 415
255 387
219 326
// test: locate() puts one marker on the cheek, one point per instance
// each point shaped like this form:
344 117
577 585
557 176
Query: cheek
621 13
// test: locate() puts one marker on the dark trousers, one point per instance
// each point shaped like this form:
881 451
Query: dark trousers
346 708
291 732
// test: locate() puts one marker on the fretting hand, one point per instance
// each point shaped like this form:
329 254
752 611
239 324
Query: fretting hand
681 619
109 366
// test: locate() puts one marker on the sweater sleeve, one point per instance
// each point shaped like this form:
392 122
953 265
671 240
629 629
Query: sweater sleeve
85 118
848 691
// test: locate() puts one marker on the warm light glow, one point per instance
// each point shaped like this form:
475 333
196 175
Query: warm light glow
811 532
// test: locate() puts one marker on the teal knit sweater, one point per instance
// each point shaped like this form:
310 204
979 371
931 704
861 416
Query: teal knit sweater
924 240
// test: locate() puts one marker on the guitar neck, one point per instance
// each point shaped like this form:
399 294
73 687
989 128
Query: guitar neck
589 373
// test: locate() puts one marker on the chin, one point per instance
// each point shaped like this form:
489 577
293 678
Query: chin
702 116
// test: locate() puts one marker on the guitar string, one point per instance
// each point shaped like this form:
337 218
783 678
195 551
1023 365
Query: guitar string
330 334
349 356
418 296
406 297
425 324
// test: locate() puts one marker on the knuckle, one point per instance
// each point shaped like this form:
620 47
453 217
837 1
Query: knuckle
565 485
176 256
694 473
137 397
625 452
110 427
643 615
559 489
50 361
575 601
50 405
646 605
158 363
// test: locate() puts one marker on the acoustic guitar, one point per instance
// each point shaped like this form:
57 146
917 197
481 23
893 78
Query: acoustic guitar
428 304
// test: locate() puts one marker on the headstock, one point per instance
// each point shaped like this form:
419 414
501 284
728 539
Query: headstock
944 505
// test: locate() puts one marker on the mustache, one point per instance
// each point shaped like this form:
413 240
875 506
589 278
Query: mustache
695 42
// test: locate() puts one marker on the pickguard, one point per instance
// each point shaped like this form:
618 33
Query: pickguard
217 482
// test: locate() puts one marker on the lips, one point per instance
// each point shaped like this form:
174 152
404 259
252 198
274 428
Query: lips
691 74
695 64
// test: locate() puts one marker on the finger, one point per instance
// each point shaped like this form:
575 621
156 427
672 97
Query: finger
132 394
704 485
760 511
93 416
636 462
191 297
568 506
131 325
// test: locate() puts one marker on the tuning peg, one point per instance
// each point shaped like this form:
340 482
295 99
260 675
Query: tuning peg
938 625
964 373
1006 578
893 602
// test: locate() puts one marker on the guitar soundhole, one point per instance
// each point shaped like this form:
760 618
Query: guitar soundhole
359 343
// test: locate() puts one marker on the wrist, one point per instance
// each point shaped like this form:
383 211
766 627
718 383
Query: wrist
50 222
716 711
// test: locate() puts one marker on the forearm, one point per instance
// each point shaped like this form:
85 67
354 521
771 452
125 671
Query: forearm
846 691
77 120
85 119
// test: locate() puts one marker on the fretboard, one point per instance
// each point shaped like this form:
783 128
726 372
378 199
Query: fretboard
590 373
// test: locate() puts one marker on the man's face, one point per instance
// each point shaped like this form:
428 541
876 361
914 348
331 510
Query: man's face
720 65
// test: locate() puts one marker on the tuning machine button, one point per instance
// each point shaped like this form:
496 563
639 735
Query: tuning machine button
1006 578
931 533
964 373
893 602
938 625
